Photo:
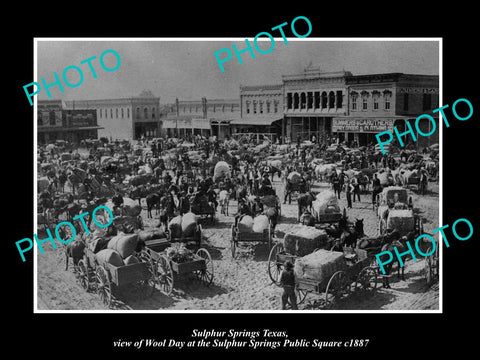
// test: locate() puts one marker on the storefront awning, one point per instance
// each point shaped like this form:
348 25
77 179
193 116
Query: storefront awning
76 128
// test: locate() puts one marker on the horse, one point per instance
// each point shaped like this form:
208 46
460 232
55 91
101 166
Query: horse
346 233
153 200
305 202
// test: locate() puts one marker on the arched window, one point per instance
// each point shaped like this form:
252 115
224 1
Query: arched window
145 113
138 112
111 113
153 112
123 113
303 100
324 100
116 112
128 112
268 106
331 100
295 100
247 106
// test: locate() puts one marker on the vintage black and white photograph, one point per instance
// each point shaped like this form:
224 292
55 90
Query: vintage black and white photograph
207 175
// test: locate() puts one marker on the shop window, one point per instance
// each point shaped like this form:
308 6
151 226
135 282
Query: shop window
364 103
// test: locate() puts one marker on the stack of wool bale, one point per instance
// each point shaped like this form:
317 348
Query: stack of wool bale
120 250
326 202
183 226
302 240
320 265
258 224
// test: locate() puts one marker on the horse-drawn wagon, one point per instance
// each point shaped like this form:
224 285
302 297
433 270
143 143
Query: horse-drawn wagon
178 260
105 277
390 197
245 234
329 274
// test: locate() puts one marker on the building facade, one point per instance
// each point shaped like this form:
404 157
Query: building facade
55 121
380 102
125 118
311 100
207 117
261 112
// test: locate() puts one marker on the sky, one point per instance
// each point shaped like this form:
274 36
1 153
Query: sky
188 69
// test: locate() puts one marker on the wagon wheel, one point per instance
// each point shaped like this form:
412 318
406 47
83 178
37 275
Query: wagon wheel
104 287
164 275
338 285
274 267
205 275
366 279
83 275
382 227
147 286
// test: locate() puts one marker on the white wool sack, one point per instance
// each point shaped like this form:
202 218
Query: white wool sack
246 224
260 223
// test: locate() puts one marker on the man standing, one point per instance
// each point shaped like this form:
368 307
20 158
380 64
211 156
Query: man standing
377 188
287 281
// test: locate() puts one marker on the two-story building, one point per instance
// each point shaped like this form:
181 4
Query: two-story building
261 112
380 102
125 118
55 121
312 99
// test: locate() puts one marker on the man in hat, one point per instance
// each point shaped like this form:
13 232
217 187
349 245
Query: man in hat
287 281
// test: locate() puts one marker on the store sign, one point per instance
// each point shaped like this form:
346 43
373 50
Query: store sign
417 90
80 120
362 125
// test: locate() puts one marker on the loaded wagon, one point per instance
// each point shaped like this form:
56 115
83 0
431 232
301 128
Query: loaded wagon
391 197
243 234
330 274
325 209
105 277
168 261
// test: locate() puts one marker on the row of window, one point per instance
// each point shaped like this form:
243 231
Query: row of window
260 103
213 108
103 113
387 95
375 97
315 100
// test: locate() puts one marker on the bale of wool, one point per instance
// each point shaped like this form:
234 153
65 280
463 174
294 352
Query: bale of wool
132 259
221 170
260 223
302 240
320 265
97 244
175 227
294 177
124 244
326 203
245 224
189 224
151 234
386 179
401 220
109 256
